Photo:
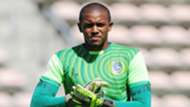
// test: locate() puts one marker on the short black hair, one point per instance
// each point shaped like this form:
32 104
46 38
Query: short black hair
94 5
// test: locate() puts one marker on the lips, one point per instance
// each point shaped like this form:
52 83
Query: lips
95 38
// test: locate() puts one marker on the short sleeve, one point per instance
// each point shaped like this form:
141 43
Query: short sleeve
138 72
54 69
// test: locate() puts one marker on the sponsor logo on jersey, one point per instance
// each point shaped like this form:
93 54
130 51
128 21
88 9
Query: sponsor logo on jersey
116 67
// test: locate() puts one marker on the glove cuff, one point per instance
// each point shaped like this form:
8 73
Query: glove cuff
67 97
107 103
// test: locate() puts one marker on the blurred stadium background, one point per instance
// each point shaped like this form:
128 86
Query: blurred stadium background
32 30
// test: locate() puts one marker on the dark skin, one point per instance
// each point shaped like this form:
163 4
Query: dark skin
95 26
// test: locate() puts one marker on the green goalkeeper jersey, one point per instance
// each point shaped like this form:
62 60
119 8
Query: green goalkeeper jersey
118 65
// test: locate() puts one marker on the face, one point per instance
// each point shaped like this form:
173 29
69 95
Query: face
95 26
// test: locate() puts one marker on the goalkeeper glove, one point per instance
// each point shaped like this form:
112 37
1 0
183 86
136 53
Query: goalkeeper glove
89 98
90 95
96 85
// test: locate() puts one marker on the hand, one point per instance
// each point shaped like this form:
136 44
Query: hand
96 85
86 97
89 95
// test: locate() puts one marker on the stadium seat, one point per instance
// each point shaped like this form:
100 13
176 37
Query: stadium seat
5 100
154 13
160 80
120 34
181 80
180 14
185 57
145 34
174 35
12 81
156 101
176 101
167 2
122 12
22 99
164 58
66 10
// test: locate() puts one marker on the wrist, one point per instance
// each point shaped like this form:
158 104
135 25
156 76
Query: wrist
67 97
107 103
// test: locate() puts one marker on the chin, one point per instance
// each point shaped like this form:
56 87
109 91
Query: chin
96 44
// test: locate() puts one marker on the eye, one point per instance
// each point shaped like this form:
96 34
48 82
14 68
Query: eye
100 24
88 25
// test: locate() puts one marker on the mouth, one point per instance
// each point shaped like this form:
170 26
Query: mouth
95 38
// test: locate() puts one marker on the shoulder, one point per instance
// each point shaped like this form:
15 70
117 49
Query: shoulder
66 51
125 48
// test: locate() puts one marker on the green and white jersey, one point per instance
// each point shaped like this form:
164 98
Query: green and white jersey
118 65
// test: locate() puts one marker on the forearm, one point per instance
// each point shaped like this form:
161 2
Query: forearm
44 95
141 97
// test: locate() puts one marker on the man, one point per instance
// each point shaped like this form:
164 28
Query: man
96 73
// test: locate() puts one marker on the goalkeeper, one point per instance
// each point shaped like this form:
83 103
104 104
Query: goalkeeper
96 73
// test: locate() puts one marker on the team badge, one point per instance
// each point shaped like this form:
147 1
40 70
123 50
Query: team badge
116 67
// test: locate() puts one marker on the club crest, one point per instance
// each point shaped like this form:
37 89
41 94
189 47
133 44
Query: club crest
116 67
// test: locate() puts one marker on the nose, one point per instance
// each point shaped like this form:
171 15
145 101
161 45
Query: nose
94 30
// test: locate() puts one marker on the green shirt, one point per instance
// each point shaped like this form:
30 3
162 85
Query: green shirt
118 65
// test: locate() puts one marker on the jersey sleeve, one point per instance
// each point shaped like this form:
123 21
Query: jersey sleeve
138 73
54 69
139 84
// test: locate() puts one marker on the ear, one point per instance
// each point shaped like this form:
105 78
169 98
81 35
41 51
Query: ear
80 27
110 26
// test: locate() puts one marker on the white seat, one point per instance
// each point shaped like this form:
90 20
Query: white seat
176 101
119 34
181 80
12 80
174 35
22 99
145 34
180 13
185 57
5 100
156 101
164 57
154 13
180 1
160 80
125 12
66 10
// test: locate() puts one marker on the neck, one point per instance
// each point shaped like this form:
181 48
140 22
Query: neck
95 47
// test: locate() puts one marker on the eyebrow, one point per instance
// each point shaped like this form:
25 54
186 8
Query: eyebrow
97 21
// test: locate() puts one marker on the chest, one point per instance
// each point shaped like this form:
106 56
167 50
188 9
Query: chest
110 68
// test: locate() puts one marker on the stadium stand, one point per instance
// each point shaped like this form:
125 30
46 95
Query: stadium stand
31 30
176 101
27 40
5 100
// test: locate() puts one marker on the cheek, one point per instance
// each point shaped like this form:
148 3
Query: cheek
86 35
87 31
105 32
